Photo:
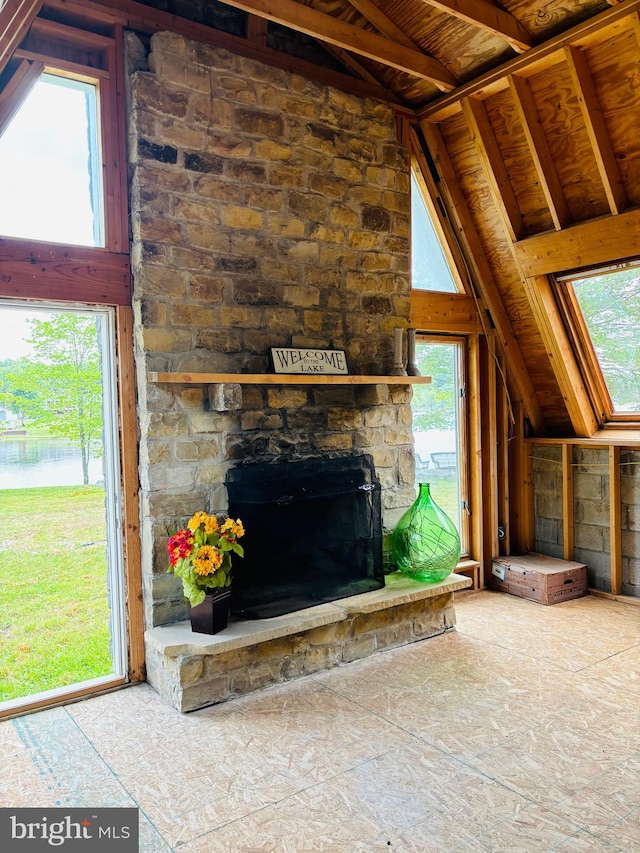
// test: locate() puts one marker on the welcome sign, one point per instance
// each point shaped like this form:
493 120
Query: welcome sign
309 361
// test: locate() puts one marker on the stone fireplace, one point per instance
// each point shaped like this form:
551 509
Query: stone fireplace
267 211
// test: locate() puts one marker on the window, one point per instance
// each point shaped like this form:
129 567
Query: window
439 419
50 165
602 311
431 268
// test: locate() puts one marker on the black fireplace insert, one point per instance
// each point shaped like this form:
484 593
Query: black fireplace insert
313 533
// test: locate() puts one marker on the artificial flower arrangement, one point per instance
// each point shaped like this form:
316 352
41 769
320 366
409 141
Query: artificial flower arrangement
200 554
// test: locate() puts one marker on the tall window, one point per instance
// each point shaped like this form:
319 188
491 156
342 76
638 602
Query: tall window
431 268
50 166
438 427
602 309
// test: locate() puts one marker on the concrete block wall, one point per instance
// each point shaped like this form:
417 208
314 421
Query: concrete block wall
591 512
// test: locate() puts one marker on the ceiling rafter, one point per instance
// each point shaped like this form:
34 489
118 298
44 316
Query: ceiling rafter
385 25
326 28
16 17
488 17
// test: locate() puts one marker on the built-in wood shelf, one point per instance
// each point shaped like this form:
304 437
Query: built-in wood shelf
284 379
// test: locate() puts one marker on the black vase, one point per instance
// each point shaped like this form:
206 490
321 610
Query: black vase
212 615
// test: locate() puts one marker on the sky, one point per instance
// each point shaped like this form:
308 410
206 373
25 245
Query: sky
14 331
44 173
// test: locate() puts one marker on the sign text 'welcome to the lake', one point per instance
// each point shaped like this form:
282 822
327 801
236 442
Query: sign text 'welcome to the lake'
295 360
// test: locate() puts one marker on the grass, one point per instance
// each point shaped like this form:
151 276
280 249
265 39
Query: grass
54 617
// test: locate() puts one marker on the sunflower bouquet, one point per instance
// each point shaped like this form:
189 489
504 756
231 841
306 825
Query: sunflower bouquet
200 554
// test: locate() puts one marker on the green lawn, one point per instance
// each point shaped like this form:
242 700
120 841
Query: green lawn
54 618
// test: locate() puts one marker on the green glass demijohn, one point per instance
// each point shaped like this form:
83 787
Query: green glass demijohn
425 545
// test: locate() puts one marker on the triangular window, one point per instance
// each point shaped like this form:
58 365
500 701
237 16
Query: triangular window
50 165
603 312
431 269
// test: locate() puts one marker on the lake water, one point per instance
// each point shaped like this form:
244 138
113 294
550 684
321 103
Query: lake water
31 463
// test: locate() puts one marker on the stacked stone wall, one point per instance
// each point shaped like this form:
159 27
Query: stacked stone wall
267 210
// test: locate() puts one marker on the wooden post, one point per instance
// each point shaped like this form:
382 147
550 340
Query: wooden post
615 520
567 501
475 454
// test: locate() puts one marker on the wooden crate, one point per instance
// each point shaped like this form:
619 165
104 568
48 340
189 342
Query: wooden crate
539 578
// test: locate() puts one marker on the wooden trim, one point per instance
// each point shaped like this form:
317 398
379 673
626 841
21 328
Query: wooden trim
467 234
596 129
16 16
488 402
32 270
625 599
495 171
548 52
130 488
448 313
603 438
60 696
587 244
561 356
113 111
72 69
503 429
568 533
324 27
17 90
487 17
539 150
71 35
476 496
615 520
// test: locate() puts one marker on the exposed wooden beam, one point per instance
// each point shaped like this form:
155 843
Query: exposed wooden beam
326 28
488 401
385 25
476 492
16 17
493 165
561 355
539 150
14 93
598 241
450 313
351 64
471 245
488 17
130 13
503 425
547 51
596 129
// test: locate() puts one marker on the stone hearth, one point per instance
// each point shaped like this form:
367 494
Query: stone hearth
195 670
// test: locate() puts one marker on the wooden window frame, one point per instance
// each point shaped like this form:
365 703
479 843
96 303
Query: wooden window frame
65 274
436 210
583 348
462 368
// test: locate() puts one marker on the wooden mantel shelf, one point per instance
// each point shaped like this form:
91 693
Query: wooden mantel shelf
284 379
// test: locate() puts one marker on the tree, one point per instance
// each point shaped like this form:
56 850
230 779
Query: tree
12 395
61 385
434 405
